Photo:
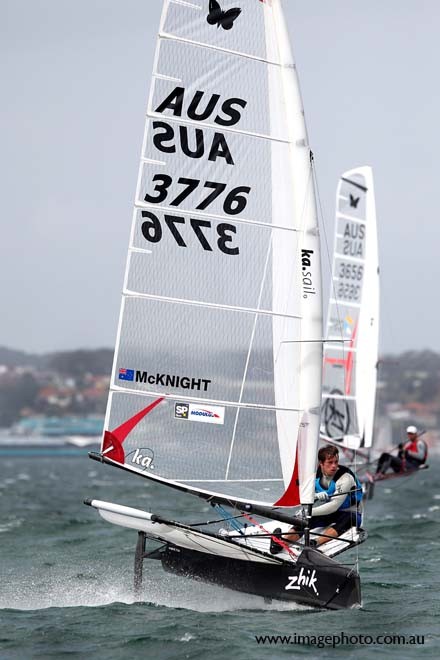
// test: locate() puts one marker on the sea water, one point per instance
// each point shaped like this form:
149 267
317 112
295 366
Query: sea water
67 575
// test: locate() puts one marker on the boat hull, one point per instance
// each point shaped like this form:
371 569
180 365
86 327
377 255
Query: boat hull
314 579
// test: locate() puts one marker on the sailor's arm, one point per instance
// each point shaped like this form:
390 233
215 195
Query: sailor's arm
419 454
343 485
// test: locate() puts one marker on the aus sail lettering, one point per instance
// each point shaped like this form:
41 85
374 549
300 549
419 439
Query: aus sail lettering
165 138
194 142
353 244
306 578
176 102
306 262
202 143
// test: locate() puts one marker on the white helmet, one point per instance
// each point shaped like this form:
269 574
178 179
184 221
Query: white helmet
411 429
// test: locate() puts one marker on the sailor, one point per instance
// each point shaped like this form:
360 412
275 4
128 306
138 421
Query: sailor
411 455
337 507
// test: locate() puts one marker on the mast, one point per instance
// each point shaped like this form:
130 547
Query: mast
310 358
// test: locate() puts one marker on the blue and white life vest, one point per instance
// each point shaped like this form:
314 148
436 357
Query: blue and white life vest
352 499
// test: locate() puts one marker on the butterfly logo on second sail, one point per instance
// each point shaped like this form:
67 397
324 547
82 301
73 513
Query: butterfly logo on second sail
354 201
225 19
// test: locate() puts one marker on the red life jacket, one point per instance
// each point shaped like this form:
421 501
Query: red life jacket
413 447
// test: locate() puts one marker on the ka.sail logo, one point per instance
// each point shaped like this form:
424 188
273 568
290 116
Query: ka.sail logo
142 457
126 374
306 266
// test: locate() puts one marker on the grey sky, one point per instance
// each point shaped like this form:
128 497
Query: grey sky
75 78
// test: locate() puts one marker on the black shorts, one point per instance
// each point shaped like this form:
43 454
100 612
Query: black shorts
339 520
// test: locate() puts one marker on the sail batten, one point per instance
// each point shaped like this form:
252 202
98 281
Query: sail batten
356 184
236 53
347 257
342 303
345 216
200 303
185 3
143 205
149 393
190 122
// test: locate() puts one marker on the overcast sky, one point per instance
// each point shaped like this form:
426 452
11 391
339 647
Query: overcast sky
75 78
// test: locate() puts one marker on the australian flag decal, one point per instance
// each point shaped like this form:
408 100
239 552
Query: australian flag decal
126 374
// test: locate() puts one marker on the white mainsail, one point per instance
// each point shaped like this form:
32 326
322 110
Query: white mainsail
218 363
350 365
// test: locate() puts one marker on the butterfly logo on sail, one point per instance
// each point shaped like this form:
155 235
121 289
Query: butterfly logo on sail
354 201
225 19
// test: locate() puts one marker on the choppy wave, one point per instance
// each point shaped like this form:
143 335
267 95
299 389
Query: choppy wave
61 560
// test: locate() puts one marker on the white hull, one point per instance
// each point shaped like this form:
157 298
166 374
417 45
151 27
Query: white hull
253 546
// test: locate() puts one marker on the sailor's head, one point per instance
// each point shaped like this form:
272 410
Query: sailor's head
411 431
328 458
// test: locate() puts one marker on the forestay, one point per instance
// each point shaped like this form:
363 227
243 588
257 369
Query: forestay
350 364
217 368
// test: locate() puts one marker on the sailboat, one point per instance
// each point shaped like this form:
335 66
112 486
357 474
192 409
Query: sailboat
351 353
217 374
407 469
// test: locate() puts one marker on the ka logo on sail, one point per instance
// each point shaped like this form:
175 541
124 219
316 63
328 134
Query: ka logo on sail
142 458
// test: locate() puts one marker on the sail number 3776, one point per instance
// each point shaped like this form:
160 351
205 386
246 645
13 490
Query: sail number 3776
234 203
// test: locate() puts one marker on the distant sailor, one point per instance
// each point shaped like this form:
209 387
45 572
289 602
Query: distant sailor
337 508
411 455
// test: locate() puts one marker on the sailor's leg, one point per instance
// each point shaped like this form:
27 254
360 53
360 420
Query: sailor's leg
339 521
330 531
296 531
290 537
395 464
383 463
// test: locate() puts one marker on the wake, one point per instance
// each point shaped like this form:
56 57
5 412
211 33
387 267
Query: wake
58 589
